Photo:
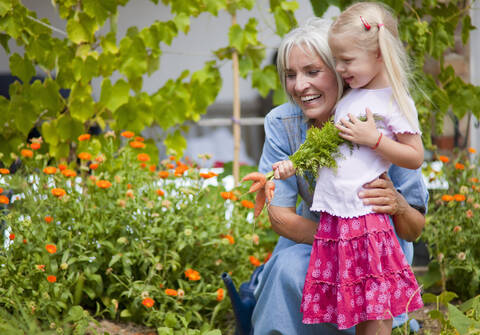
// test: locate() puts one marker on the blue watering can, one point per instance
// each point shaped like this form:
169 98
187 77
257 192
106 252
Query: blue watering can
243 301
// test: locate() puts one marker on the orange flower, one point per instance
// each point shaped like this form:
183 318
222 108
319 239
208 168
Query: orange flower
130 194
40 267
100 158
51 248
11 236
254 260
127 134
459 197
84 137
137 145
172 158
143 157
24 241
93 166
171 292
129 186
220 294
62 167
69 173
444 159
472 150
228 195
143 165
4 171
1 190
447 197
208 175
269 255
230 238
4 200
170 166
459 166
35 146
104 184
52 279
139 139
180 169
58 192
152 168
474 180
48 219
456 229
148 302
163 174
26 153
84 156
50 170
160 193
469 213
192 275
247 204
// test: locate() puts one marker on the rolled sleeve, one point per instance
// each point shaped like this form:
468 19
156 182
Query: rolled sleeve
411 185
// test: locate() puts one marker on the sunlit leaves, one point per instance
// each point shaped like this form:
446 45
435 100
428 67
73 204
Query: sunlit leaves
81 29
21 67
284 16
176 143
114 96
265 79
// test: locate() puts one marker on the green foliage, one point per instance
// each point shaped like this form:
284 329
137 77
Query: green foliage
126 229
451 231
428 30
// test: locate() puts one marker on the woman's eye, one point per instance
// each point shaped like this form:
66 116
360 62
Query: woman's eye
313 72
290 75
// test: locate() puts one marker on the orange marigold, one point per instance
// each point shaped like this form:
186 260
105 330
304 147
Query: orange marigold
139 139
93 166
192 275
48 219
163 174
148 302
444 159
160 193
4 171
220 294
40 267
143 157
230 238
84 156
474 180
447 197
247 204
50 170
26 153
84 137
11 236
472 150
456 229
459 166
35 146
51 248
103 183
137 145
152 168
459 197
130 194
1 190
24 241
171 292
228 195
4 200
180 170
58 192
69 173
254 260
172 158
127 134
208 175
62 167
52 279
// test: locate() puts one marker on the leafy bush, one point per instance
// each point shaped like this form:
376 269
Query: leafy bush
123 237
452 233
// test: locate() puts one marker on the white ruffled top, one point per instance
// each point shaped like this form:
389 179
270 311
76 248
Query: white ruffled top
336 192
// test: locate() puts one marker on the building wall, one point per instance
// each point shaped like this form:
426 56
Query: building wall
475 69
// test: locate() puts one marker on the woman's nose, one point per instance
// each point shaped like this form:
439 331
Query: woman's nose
301 83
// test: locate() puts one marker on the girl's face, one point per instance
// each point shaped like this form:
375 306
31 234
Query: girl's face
359 68
311 84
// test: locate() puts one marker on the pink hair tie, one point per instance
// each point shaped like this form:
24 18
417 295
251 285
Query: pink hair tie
380 25
365 23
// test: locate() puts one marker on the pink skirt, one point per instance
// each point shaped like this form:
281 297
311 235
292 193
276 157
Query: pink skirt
357 272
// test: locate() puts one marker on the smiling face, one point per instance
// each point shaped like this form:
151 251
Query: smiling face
360 68
311 84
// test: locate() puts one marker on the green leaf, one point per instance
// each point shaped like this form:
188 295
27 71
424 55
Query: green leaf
125 313
235 36
4 38
320 6
68 128
76 313
182 21
175 143
21 67
5 7
460 321
265 79
171 320
115 96
49 132
77 32
19 105
109 43
213 6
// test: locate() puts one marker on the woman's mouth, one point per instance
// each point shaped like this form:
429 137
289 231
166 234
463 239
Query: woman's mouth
309 98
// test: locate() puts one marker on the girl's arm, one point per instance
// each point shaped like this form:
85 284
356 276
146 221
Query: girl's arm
407 152
283 169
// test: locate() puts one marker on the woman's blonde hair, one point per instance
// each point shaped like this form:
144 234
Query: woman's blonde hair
374 27
311 37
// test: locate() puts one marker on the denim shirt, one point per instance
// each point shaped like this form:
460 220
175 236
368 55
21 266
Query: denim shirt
285 130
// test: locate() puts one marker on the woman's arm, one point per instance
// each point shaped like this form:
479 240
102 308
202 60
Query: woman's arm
287 223
381 193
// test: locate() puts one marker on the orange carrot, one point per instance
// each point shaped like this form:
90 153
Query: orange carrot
259 202
258 179
269 190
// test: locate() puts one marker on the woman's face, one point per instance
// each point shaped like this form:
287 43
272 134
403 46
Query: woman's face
312 85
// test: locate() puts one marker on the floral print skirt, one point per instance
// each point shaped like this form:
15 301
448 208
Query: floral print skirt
357 272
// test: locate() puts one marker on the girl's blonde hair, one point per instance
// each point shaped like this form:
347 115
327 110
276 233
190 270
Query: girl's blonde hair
311 37
374 27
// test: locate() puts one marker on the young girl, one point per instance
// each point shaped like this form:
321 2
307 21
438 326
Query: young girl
357 273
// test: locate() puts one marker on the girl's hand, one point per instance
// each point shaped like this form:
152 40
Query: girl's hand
359 132
283 169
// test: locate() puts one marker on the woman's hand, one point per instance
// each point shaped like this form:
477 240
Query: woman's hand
359 132
384 198
283 169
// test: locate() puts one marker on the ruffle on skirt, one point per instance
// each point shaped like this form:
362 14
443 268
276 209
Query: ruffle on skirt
357 272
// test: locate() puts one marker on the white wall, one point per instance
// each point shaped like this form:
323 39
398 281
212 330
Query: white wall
475 68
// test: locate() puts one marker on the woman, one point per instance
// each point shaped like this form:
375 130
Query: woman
306 69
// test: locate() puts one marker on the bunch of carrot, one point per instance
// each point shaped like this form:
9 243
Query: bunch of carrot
264 186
